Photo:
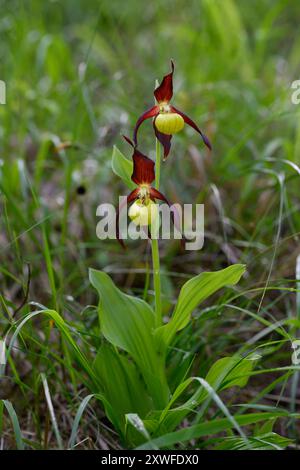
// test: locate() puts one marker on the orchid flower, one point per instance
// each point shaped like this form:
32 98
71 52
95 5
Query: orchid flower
144 196
168 120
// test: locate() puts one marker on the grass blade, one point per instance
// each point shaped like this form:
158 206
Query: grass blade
51 411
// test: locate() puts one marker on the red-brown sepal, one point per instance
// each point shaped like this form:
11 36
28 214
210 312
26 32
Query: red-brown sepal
143 167
164 92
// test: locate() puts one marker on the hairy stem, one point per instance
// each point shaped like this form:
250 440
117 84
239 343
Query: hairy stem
155 250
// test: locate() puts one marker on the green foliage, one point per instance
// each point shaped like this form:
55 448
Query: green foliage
229 372
122 167
83 74
128 324
207 428
225 373
122 386
193 293
15 422
269 441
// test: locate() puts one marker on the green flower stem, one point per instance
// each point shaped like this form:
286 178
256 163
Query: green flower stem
155 250
157 164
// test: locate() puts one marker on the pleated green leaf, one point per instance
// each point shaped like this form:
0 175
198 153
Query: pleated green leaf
208 428
127 322
269 441
122 167
122 385
136 431
225 373
192 293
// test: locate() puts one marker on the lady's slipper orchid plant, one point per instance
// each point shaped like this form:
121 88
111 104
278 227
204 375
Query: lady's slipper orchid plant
143 210
168 120
136 362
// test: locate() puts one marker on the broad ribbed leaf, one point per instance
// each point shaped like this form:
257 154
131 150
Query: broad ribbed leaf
269 441
122 167
136 432
195 291
208 428
128 322
229 372
225 373
122 386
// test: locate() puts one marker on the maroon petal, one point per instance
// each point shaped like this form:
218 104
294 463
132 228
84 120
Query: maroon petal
147 114
193 125
143 167
130 198
164 139
155 194
164 91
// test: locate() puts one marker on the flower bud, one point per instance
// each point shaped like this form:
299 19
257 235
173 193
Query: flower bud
143 214
169 123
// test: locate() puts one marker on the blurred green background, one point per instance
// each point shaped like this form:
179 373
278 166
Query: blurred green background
83 72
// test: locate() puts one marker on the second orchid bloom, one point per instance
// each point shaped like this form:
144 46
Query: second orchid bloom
143 198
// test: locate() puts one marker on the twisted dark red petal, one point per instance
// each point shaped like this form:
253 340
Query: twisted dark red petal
155 194
164 91
130 198
146 115
164 139
193 125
